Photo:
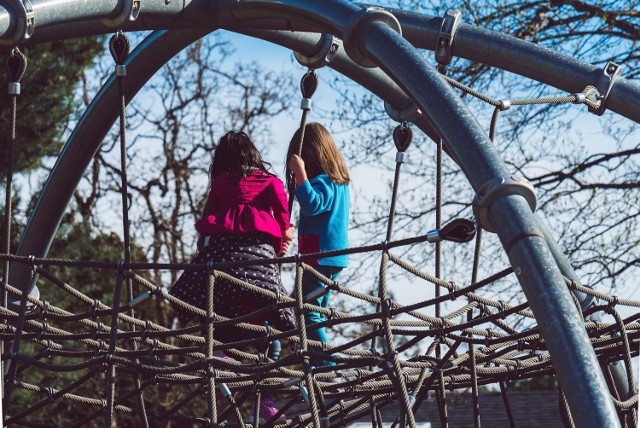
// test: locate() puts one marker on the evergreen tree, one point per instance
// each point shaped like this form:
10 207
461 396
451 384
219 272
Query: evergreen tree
46 100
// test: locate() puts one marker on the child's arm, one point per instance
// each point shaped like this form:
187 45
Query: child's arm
313 199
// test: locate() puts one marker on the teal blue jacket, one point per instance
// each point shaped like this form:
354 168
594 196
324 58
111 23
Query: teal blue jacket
324 219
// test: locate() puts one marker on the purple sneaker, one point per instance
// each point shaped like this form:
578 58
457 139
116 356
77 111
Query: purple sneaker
268 410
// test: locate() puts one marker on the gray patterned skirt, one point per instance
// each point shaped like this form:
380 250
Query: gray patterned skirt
231 300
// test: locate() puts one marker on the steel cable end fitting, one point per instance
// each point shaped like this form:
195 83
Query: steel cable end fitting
402 137
16 65
119 47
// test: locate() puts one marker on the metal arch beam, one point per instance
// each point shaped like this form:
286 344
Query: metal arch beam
52 19
529 253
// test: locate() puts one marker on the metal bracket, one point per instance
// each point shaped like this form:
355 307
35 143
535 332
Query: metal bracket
130 11
496 188
408 113
448 28
353 44
25 24
326 53
605 82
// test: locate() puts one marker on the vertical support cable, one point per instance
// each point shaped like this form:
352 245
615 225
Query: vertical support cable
398 378
507 406
441 391
16 65
474 373
304 345
210 378
119 47
308 86
110 365
402 137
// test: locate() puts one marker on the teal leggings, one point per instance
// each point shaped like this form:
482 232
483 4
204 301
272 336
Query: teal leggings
309 285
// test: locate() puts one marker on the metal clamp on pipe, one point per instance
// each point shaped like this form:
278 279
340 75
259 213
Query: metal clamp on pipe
605 82
352 41
130 11
25 24
496 188
450 23
408 113
330 46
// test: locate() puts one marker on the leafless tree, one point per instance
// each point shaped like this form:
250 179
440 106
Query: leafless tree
584 168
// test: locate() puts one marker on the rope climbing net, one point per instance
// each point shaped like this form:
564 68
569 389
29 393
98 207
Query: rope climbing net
126 365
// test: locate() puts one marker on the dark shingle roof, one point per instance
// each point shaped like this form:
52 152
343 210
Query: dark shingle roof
529 409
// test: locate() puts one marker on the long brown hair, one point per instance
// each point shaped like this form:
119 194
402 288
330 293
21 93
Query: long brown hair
319 153
236 155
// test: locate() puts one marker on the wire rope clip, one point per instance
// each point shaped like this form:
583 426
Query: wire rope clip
450 23
130 11
496 188
605 81
354 44
329 46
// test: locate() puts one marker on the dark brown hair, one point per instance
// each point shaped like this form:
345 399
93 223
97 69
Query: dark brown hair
236 155
319 153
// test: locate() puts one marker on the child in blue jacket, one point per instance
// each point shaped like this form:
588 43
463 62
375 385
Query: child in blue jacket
322 190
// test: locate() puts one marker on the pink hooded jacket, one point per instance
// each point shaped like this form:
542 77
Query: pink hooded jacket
256 203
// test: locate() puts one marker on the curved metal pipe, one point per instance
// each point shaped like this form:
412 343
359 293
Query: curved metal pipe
517 228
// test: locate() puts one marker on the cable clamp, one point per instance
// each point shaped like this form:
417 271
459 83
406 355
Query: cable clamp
130 11
354 44
495 189
328 50
448 28
25 23
604 82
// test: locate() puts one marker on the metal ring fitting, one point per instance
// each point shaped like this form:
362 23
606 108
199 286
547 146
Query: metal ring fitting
330 46
14 88
496 188
121 70
352 41
305 104
434 236
226 392
401 157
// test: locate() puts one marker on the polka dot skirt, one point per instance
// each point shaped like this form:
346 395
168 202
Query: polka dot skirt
232 300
